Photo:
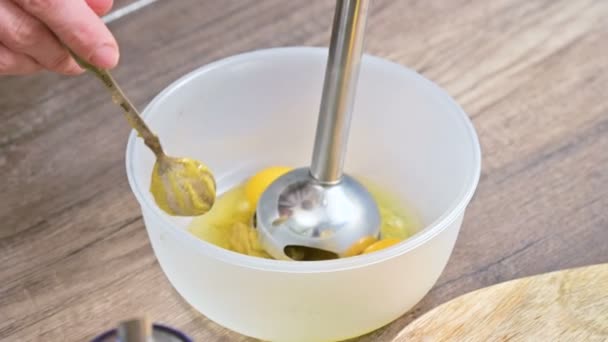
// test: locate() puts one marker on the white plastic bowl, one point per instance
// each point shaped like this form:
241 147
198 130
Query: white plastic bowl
259 109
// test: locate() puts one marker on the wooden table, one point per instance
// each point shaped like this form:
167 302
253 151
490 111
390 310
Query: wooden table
533 76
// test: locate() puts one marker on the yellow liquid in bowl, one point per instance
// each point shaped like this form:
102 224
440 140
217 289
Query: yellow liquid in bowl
229 224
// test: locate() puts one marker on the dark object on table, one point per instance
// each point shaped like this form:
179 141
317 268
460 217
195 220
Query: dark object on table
160 333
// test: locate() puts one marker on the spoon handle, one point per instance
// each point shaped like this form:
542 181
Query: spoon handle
119 97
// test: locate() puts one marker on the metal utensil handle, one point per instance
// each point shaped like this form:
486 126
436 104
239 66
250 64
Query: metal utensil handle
136 330
339 90
119 97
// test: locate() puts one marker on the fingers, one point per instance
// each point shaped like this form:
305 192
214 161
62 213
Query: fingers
26 35
13 63
100 7
77 26
28 45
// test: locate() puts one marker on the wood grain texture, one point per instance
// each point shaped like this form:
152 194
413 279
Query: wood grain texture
532 74
570 305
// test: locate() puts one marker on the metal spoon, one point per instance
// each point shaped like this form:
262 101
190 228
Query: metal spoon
180 186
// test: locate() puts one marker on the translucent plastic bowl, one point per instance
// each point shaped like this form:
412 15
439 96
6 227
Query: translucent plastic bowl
259 109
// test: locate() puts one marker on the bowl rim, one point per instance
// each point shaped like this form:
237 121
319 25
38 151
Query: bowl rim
427 233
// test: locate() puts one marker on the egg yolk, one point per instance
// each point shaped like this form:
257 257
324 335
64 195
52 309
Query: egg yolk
256 185
229 224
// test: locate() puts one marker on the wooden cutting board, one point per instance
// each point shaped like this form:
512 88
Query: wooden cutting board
569 305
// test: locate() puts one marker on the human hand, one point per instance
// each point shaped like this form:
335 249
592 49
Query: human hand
33 34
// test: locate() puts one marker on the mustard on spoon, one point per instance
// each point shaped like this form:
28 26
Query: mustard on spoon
180 186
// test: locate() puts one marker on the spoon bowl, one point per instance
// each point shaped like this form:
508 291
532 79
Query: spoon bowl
180 186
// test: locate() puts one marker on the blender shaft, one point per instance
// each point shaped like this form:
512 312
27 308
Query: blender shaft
339 89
